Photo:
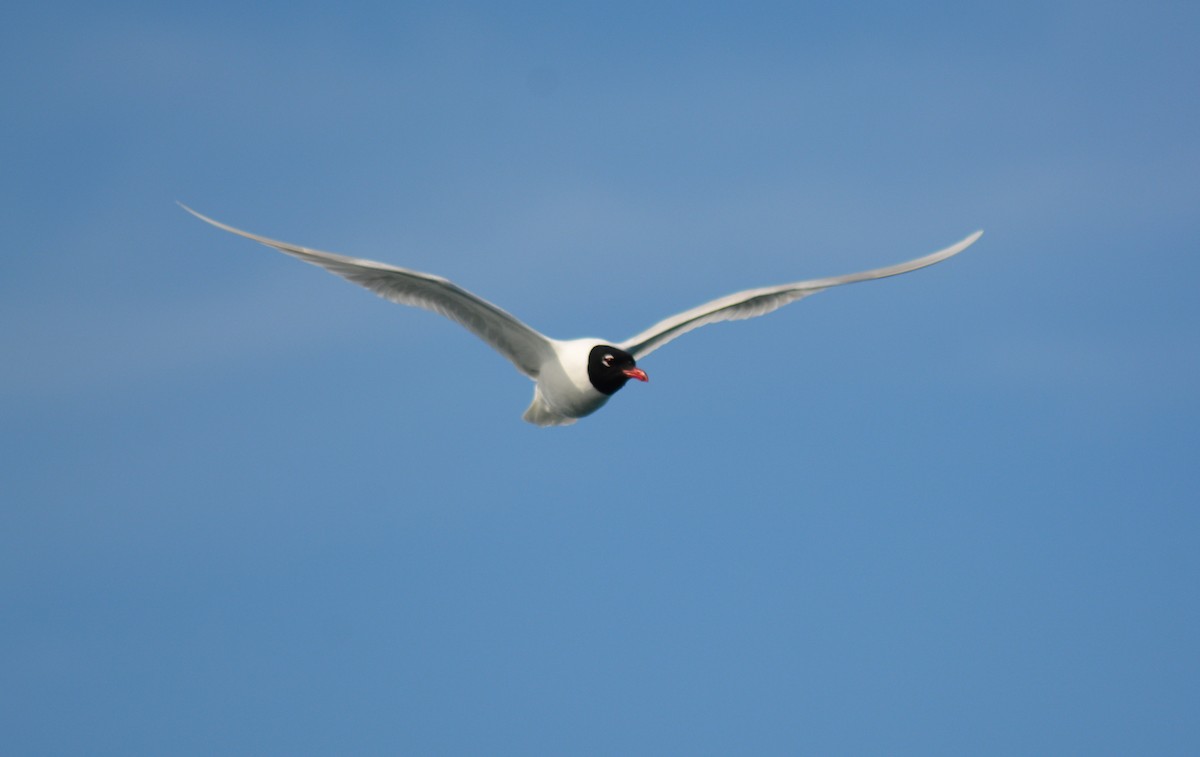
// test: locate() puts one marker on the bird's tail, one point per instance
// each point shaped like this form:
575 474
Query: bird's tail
539 412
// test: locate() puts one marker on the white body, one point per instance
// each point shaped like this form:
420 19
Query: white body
563 393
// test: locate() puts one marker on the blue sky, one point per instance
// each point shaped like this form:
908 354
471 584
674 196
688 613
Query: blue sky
251 509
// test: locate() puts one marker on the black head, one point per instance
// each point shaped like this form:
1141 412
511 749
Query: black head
610 367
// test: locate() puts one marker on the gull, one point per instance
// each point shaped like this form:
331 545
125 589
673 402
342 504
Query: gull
572 378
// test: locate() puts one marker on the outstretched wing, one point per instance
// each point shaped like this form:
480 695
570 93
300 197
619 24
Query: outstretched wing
755 302
525 347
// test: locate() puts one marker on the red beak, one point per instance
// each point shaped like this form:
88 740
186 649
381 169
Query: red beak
636 373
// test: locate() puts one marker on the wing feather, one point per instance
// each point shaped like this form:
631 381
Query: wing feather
525 347
752 303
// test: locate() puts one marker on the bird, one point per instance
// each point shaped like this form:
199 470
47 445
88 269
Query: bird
572 378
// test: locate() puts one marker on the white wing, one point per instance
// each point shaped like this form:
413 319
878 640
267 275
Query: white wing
526 348
755 302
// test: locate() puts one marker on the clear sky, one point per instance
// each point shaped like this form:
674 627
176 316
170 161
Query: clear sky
248 508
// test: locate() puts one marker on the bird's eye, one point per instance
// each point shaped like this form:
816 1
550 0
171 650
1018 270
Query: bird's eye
607 360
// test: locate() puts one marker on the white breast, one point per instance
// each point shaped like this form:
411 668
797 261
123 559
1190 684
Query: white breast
563 385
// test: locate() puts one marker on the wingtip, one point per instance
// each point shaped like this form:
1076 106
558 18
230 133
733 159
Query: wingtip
218 224
958 247
196 213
